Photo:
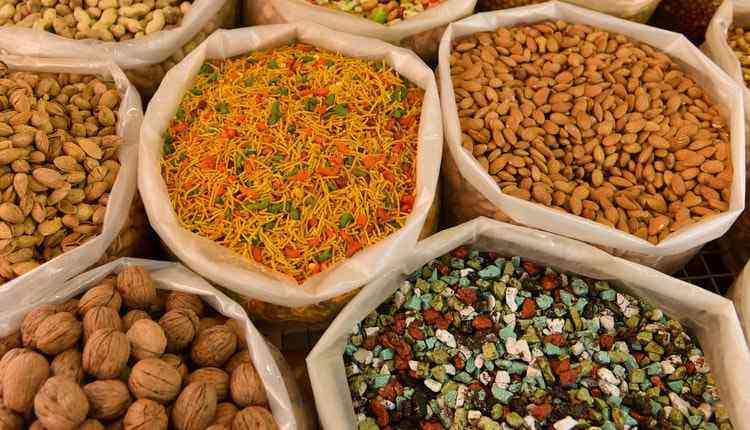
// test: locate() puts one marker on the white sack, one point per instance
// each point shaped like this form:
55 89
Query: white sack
130 115
708 316
636 10
230 270
679 247
128 54
284 398
739 293
421 32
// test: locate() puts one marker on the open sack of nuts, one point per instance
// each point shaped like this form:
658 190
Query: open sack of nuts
575 122
139 344
144 37
300 249
633 10
68 133
490 325
416 25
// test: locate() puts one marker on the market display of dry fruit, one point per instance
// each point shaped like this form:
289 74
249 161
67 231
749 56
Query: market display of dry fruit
380 11
592 123
689 17
58 164
739 41
473 339
320 164
124 355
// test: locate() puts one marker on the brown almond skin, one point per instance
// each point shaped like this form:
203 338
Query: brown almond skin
246 386
154 379
214 346
68 363
145 414
136 288
254 418
57 333
106 354
195 408
23 377
214 376
100 295
109 399
61 404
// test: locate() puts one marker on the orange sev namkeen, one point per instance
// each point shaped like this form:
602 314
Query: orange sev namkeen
294 157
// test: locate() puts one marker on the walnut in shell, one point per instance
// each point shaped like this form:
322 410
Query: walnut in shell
9 342
131 317
214 376
180 327
68 363
101 295
147 339
22 378
254 418
154 379
239 331
225 413
208 322
247 387
136 288
237 359
178 363
100 317
195 407
57 332
7 358
68 306
32 320
145 414
214 346
91 425
179 300
109 398
9 420
61 404
106 353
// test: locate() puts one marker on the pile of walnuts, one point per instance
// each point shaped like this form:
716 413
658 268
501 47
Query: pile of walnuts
126 356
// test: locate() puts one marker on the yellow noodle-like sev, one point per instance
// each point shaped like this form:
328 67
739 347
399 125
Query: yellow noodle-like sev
294 157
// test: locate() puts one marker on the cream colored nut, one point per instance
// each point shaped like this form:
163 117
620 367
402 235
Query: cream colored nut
100 317
195 408
23 376
214 376
145 414
156 23
136 288
179 300
154 379
180 327
147 339
246 386
254 418
109 399
101 295
214 346
68 364
57 332
61 404
106 353
135 11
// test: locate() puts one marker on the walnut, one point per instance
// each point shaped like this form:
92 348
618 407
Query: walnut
117 425
145 414
239 330
9 420
237 359
154 379
208 322
68 363
106 353
109 399
247 387
178 363
101 295
214 376
179 300
195 407
61 404
57 332
136 288
9 342
254 418
7 358
68 306
217 427
225 413
22 378
147 339
131 317
91 425
36 425
214 346
180 326
100 317
32 320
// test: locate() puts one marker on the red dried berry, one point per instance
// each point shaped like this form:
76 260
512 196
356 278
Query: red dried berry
540 412
415 332
431 316
380 412
528 308
556 339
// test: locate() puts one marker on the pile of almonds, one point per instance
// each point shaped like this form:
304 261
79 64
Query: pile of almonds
739 41
592 123
106 20
126 356
58 164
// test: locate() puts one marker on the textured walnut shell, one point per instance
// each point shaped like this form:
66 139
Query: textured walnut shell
136 288
68 363
180 327
208 322
225 413
147 339
131 317
61 404
178 363
145 414
9 342
100 317
217 427
214 346
247 387
32 320
254 418
108 398
68 306
23 376
91 425
154 379
106 353
116 425
101 295
7 358
179 300
239 331
195 407
214 376
57 332
9 420
237 359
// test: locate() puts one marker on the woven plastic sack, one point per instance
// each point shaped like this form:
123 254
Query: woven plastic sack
633 10
709 316
420 33
146 59
130 115
234 272
283 394
463 170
